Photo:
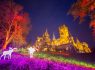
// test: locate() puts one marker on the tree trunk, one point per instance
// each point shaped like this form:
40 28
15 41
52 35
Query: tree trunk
7 40
5 45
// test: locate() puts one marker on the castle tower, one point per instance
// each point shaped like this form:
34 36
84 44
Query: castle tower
54 40
64 34
54 37
46 37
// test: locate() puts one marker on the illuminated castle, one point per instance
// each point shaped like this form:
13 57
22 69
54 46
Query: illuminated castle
64 42
46 38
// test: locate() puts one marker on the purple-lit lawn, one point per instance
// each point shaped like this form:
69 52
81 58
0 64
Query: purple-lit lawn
20 62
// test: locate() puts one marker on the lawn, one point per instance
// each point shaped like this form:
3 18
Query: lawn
41 61
64 59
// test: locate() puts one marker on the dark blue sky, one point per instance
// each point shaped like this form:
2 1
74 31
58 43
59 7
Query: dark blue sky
51 14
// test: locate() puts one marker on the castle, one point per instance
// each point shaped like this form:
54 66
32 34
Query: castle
65 42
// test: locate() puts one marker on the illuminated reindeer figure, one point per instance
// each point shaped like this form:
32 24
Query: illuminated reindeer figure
7 53
31 50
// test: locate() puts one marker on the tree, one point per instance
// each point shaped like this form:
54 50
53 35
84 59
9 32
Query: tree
84 8
13 23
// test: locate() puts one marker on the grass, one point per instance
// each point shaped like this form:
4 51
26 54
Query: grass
63 59
58 58
53 59
22 62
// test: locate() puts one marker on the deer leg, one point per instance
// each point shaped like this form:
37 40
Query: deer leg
1 56
10 56
31 55
4 57
7 56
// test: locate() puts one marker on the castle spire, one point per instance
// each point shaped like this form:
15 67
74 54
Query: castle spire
46 37
54 36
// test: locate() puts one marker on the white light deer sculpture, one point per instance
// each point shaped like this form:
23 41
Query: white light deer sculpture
31 50
7 53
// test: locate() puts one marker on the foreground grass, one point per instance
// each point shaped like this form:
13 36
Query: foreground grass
21 62
42 61
58 58
63 59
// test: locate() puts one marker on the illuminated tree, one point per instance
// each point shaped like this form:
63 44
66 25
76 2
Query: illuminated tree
84 8
13 23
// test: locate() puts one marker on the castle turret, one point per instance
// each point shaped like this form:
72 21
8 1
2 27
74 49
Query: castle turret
46 37
64 34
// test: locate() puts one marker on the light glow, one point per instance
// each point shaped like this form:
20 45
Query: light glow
31 51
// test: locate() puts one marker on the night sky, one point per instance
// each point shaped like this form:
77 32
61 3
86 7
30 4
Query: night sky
50 14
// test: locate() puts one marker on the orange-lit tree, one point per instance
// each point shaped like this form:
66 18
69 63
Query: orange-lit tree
84 8
13 23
